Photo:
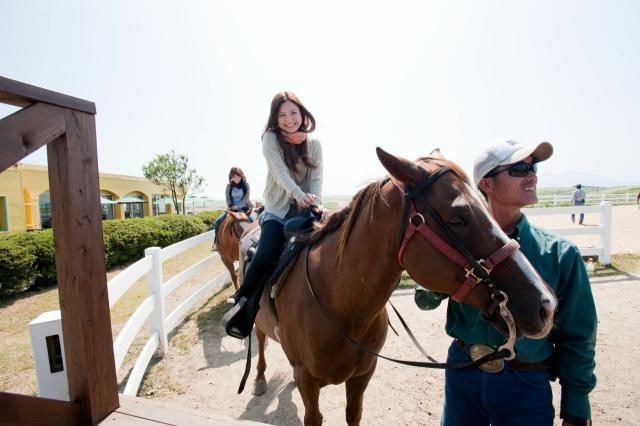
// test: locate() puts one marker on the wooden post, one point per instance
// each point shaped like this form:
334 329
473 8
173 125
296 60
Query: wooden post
82 283
605 237
154 282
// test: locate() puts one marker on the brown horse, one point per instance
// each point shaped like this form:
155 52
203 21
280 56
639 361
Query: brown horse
355 260
228 239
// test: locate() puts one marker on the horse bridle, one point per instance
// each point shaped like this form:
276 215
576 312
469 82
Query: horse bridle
233 229
476 271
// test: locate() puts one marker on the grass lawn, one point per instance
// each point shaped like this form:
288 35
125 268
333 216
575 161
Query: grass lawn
17 369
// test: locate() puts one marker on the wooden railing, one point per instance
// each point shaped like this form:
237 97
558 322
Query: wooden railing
66 125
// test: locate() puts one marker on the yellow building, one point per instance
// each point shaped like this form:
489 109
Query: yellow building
25 203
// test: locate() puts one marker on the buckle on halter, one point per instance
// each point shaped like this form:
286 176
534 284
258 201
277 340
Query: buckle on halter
417 215
477 351
472 273
481 262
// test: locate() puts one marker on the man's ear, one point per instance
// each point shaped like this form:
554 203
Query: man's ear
486 185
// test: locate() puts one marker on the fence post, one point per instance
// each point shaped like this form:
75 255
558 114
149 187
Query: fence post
154 281
605 237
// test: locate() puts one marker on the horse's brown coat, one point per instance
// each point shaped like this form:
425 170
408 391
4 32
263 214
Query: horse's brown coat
353 268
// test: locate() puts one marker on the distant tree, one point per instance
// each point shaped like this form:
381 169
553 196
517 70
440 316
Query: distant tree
172 173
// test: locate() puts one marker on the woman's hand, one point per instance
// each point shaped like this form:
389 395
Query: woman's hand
321 212
307 200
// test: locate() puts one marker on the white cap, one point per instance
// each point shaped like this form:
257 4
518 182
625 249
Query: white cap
507 151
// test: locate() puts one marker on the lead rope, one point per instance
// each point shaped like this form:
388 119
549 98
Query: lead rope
498 354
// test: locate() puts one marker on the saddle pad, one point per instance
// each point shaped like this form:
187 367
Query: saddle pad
249 240
285 263
290 252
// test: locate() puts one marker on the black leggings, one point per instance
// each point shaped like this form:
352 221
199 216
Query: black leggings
265 258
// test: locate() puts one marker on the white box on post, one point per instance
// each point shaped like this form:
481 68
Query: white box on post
48 354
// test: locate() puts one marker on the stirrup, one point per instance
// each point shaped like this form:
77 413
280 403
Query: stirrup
238 321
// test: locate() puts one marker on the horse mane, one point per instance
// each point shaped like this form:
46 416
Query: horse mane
457 170
364 200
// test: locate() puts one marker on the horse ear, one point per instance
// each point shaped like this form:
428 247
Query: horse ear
400 169
436 154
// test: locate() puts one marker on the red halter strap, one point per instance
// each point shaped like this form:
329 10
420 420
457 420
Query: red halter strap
471 279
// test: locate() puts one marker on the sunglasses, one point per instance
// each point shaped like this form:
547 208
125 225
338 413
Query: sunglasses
517 170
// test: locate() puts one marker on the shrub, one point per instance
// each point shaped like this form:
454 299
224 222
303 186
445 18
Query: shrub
27 259
209 217
40 243
126 239
16 266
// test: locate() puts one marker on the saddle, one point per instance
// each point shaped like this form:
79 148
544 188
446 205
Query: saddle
238 321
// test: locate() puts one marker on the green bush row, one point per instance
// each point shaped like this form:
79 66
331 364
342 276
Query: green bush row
27 259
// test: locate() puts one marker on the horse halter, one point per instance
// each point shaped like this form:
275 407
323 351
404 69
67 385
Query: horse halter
233 228
476 271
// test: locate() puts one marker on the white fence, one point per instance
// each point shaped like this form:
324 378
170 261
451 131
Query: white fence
153 307
591 199
603 230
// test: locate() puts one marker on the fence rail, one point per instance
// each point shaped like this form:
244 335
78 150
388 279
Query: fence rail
603 230
152 308
556 200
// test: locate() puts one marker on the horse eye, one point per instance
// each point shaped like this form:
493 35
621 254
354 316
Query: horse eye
457 220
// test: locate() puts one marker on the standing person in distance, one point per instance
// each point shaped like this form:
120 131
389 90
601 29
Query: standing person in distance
578 198
293 184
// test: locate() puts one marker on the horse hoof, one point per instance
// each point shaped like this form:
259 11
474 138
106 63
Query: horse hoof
259 387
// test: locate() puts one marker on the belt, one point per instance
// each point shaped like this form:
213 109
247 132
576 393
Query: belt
514 364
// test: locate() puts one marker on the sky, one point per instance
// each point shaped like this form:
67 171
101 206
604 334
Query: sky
197 77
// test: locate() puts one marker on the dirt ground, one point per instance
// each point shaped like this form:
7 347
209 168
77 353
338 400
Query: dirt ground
205 373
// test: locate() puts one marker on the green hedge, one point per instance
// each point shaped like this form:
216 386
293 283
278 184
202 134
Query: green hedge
27 259
209 217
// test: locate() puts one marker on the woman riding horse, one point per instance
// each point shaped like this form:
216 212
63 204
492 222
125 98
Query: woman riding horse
294 182
238 195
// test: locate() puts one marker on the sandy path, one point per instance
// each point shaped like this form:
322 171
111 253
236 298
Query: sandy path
206 374
209 372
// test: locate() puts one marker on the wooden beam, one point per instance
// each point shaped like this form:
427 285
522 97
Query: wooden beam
82 283
20 94
138 411
29 410
27 130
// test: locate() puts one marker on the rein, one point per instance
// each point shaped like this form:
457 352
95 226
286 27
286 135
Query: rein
498 354
232 227
476 272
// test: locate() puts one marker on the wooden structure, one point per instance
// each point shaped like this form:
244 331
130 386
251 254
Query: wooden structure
66 125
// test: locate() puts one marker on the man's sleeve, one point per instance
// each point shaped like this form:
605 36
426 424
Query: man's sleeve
427 299
574 336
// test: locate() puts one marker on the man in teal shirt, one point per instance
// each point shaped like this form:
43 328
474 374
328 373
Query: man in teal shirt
520 394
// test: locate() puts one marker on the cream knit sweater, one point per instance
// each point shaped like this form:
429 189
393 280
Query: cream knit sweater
283 186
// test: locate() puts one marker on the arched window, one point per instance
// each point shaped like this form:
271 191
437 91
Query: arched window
45 210
133 205
107 205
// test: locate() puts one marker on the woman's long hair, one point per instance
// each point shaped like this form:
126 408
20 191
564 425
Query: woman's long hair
291 153
243 182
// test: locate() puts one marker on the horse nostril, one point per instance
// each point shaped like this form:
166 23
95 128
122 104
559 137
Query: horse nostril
547 309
